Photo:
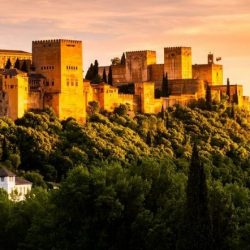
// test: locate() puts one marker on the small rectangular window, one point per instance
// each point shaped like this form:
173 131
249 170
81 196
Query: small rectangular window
2 179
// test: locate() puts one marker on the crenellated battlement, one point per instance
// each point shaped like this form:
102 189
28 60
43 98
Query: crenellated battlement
57 41
140 51
176 48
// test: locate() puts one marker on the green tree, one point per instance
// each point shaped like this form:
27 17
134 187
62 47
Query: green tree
25 67
90 73
110 76
104 76
228 90
96 67
208 97
121 110
198 233
165 87
149 139
236 98
8 64
123 59
36 179
5 150
93 107
17 64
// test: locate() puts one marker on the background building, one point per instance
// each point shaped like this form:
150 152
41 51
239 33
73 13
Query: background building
13 55
16 187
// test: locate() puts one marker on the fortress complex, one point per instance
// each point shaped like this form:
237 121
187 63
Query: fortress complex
56 81
186 81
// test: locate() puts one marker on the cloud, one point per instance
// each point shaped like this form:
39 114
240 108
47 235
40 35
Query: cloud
109 27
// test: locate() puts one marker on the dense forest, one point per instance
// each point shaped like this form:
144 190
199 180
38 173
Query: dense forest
176 180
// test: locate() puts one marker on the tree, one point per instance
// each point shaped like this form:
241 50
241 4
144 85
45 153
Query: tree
96 66
163 113
236 98
116 61
17 64
104 76
8 64
233 116
123 59
121 110
90 72
5 151
36 179
228 89
24 67
93 107
149 139
198 233
110 76
165 89
208 97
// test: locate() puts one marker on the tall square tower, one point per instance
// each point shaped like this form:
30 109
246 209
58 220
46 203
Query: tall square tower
178 62
137 63
60 61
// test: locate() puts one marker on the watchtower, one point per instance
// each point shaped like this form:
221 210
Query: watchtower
178 62
137 63
60 61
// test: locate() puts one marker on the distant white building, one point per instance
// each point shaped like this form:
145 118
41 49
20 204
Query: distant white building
16 187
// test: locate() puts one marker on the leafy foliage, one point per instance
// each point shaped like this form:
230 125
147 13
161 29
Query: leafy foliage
123 181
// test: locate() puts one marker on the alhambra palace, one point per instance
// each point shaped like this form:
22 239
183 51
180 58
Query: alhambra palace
56 81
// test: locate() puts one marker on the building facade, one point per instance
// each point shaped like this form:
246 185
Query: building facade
16 187
56 82
13 55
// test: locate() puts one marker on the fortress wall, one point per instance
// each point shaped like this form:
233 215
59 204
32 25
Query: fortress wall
119 74
187 87
210 73
183 100
100 70
156 72
35 100
234 89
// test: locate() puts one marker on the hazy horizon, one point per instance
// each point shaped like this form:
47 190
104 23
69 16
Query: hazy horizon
108 28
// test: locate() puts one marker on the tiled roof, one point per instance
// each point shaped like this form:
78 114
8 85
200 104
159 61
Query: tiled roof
4 172
20 181
14 51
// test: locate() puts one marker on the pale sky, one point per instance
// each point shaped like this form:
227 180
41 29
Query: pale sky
110 27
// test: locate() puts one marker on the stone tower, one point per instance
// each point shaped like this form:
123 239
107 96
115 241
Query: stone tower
137 63
178 62
60 61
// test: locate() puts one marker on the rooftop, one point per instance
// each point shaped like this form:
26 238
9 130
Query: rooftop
14 51
20 181
4 172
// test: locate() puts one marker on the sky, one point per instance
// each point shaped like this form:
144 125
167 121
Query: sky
110 27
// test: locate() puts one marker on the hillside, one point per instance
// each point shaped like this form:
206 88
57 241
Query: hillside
127 180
